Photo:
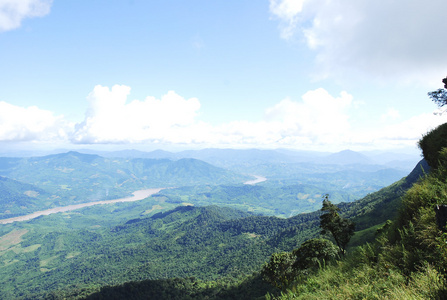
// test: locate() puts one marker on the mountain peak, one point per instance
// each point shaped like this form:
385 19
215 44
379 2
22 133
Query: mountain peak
347 157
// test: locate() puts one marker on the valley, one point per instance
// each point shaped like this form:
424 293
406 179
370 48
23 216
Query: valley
137 195
80 229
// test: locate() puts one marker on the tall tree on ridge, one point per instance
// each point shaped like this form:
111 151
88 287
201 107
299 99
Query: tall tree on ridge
440 95
331 222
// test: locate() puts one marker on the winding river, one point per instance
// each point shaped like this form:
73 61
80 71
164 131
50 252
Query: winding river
137 195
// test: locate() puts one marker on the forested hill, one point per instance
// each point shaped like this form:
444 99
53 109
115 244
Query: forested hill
54 256
21 196
407 259
72 177
205 242
63 169
276 233
383 205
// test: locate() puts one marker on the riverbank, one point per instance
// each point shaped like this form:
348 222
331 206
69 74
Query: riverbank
137 195
257 179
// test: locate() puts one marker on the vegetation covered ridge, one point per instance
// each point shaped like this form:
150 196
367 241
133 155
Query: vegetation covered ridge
219 246
72 178
408 257
276 233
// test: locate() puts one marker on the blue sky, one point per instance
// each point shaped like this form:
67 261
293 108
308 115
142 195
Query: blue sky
301 74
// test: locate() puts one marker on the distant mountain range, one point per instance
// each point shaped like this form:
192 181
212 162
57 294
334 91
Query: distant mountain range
228 158
73 177
205 242
231 158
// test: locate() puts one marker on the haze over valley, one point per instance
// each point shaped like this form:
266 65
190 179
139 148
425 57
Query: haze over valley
288 182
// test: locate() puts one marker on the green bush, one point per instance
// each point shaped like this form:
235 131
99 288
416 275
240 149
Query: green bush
279 271
314 253
432 143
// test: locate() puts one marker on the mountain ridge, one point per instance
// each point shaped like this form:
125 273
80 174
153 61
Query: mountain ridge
205 242
73 177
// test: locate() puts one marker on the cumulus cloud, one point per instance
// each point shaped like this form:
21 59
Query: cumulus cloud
110 119
287 11
12 12
316 120
384 39
404 133
390 114
30 124
318 117
172 119
320 120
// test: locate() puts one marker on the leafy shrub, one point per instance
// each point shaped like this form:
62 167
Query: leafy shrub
279 271
286 267
314 253
432 143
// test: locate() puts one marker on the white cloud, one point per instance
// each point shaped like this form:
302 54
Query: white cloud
287 11
318 117
29 124
404 133
380 38
390 114
12 12
110 119
317 121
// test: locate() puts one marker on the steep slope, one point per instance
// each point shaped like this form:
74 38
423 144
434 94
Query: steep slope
383 205
407 259
17 198
278 234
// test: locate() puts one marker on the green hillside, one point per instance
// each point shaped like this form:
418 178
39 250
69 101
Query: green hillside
104 246
290 195
369 213
19 198
205 242
407 260
408 257
73 177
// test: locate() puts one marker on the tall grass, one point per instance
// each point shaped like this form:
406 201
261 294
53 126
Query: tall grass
367 282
